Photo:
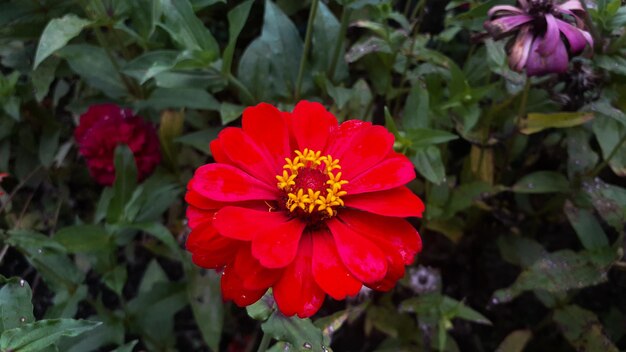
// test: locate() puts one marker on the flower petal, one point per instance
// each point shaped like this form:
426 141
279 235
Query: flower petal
576 38
520 50
246 155
217 151
253 274
548 45
393 172
360 255
209 249
311 124
538 65
196 216
329 271
385 231
504 10
244 224
395 271
233 290
400 202
367 148
297 292
276 247
227 183
342 135
501 27
267 127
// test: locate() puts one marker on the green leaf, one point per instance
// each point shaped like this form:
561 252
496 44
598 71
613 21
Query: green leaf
95 67
262 309
38 335
48 257
43 76
186 29
582 329
16 308
325 36
613 63
609 201
581 158
561 271
116 279
151 64
423 137
205 297
178 98
520 251
428 162
161 233
269 66
611 136
515 341
536 122
56 35
444 306
230 112
129 347
586 226
417 107
125 182
83 238
144 16
300 333
200 139
236 20
542 182
49 143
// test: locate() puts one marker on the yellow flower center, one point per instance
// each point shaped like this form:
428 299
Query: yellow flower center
312 184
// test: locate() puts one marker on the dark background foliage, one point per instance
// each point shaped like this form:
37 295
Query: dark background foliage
523 178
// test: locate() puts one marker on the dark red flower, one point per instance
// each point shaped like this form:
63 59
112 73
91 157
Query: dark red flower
538 25
102 128
305 206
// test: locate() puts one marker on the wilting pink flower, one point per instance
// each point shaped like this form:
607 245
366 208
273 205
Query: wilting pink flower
102 128
538 45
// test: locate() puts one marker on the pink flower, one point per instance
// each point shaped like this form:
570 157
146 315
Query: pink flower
538 45
102 128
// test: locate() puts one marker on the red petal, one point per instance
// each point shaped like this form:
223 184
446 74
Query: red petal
383 230
297 292
360 255
246 155
367 148
197 200
197 216
227 183
342 135
329 272
254 275
393 172
400 202
277 246
311 124
243 223
209 249
218 152
267 127
395 271
232 289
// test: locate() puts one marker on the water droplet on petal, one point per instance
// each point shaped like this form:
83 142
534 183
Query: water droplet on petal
307 346
22 283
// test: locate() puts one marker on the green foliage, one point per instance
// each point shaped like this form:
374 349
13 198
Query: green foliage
522 176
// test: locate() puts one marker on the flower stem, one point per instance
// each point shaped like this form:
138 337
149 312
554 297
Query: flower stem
265 343
522 106
307 47
246 97
345 19
606 161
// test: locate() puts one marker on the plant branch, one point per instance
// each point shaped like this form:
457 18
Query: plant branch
306 49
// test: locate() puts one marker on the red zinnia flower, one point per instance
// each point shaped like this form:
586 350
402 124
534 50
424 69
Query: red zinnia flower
301 204
105 126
